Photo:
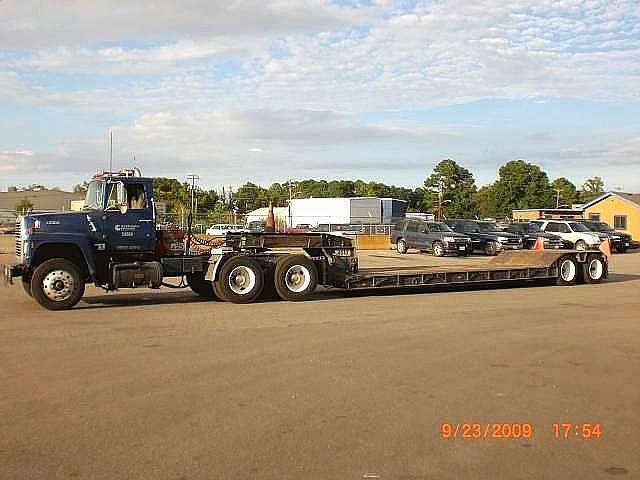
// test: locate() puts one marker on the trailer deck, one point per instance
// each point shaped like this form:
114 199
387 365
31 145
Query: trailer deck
508 266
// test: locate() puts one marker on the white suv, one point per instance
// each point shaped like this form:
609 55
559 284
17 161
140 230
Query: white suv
575 232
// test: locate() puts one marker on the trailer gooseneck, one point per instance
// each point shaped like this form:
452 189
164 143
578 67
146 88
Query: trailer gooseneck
115 242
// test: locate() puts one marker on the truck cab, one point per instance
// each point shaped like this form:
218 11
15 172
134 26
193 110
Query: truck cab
59 252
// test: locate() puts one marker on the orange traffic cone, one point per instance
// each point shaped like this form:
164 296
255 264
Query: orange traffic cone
270 225
605 247
539 245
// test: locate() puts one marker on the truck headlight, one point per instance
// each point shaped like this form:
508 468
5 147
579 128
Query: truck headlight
503 239
449 239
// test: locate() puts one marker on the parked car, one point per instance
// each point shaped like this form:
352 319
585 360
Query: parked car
530 232
620 241
434 237
224 228
486 237
574 232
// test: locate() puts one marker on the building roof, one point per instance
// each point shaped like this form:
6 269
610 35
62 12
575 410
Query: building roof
42 199
547 209
632 198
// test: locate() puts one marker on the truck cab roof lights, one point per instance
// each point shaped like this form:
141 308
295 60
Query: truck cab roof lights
125 172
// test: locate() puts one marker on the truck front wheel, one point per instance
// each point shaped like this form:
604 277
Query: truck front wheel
56 284
295 277
26 285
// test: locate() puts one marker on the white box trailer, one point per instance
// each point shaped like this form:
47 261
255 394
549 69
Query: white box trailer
335 211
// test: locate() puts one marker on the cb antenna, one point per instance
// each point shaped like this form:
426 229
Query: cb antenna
110 150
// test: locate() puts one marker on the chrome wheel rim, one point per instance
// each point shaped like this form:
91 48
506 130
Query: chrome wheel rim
402 247
596 269
437 250
567 270
242 280
58 285
297 278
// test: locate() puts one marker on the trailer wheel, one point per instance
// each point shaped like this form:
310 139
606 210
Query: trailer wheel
241 280
56 284
401 246
295 277
567 271
438 249
593 269
200 285
491 249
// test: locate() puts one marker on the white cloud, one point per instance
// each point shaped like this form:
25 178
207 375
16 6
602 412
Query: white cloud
72 22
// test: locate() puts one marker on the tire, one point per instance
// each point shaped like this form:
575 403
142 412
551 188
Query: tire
241 280
295 277
200 286
567 271
401 246
580 245
594 269
491 249
26 285
438 249
57 284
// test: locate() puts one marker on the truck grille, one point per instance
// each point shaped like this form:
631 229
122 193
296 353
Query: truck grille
19 238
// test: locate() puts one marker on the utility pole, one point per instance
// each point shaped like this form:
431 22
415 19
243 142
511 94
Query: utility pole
193 179
557 198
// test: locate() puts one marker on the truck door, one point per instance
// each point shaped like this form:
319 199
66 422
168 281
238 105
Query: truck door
129 229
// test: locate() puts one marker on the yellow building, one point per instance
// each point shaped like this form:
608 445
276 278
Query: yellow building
620 210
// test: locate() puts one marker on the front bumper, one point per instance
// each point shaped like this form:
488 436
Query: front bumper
11 272
457 247
511 246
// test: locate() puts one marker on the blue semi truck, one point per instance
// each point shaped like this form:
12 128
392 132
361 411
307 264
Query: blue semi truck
116 242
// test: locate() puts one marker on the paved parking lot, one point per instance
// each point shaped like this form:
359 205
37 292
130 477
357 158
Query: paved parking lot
161 385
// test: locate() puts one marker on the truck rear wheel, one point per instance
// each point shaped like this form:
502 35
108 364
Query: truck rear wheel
199 285
56 284
241 280
295 277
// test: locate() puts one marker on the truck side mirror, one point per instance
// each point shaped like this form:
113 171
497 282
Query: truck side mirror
122 197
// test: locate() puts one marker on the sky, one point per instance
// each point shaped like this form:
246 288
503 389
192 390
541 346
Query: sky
266 90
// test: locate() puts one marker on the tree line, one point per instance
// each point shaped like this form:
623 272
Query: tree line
450 190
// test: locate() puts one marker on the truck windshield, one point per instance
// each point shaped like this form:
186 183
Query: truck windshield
533 228
95 194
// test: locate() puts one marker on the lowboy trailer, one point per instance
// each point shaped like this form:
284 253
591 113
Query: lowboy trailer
115 242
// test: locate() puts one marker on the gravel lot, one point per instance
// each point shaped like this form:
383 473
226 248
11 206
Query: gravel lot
161 385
